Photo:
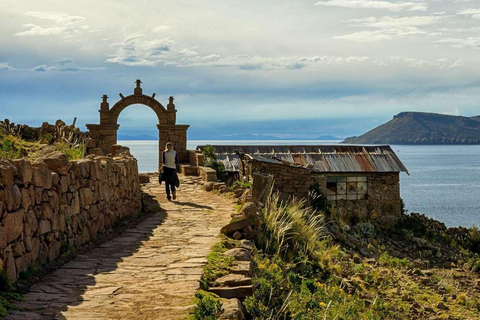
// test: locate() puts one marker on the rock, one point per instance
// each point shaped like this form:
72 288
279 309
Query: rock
13 224
86 197
58 162
3 238
247 244
10 267
208 186
239 254
44 227
232 292
30 225
442 306
233 280
357 259
25 171
232 310
18 249
237 235
249 210
7 173
143 178
242 267
238 225
246 196
17 197
247 230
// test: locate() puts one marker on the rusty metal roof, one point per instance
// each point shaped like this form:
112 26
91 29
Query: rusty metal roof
323 158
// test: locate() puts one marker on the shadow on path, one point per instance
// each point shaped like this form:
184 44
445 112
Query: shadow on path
64 288
193 205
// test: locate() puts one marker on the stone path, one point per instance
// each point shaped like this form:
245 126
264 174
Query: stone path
149 272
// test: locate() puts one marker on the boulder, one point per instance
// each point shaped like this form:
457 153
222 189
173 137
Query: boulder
10 267
58 162
13 224
237 235
238 225
240 254
249 210
232 310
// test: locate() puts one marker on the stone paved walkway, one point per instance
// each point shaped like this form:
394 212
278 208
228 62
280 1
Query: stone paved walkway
149 272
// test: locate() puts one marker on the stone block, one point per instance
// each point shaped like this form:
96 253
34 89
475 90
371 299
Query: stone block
3 238
13 223
57 162
44 227
232 292
25 171
7 173
239 254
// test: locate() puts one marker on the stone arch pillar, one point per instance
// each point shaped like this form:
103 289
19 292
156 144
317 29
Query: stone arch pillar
104 135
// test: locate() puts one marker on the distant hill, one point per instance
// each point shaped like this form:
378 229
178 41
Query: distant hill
423 128
328 137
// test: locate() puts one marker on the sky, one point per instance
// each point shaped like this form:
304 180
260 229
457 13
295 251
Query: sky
292 69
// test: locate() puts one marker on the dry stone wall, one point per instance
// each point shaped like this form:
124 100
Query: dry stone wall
289 181
49 206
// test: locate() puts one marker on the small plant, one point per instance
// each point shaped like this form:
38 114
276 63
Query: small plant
318 200
246 185
387 260
365 229
47 138
208 307
9 148
73 153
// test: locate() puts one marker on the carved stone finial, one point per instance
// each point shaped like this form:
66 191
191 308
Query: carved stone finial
138 90
170 105
104 105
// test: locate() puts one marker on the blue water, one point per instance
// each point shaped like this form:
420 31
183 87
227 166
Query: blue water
444 181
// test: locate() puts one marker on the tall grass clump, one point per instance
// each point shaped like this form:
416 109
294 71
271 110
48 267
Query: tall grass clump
72 152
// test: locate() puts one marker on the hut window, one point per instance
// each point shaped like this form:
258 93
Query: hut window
346 188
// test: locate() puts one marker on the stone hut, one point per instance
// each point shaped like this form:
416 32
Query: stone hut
358 181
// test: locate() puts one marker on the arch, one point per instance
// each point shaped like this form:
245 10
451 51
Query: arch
165 117
104 135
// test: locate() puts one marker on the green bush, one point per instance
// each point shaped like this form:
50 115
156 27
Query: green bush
210 160
73 153
246 185
208 306
387 260
9 149
47 138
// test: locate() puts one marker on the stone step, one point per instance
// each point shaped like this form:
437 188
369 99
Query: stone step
242 267
240 292
188 170
233 280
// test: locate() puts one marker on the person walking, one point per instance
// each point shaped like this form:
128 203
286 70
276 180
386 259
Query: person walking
169 175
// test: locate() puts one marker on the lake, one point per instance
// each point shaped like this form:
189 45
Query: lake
444 181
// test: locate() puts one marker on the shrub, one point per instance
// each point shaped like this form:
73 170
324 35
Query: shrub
208 306
72 152
217 265
365 229
47 138
318 200
387 260
9 149
211 160
246 185
474 239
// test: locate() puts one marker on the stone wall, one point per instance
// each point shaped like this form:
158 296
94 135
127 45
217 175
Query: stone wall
382 203
289 180
55 204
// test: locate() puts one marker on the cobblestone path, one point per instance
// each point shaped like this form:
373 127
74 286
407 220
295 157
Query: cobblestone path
151 271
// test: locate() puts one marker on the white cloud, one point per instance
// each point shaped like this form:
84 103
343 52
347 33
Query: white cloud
161 28
473 13
456 64
375 4
383 34
137 50
470 42
6 66
394 22
61 23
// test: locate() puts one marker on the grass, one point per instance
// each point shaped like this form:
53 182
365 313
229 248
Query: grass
208 306
387 260
217 264
73 153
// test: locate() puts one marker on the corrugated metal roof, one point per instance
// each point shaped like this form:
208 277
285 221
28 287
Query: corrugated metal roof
323 158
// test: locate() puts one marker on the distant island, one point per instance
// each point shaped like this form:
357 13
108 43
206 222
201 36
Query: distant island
423 128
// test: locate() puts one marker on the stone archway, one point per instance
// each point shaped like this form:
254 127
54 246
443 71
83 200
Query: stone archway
104 135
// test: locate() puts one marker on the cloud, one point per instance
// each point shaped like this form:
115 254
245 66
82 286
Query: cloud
441 63
470 42
383 34
6 66
473 13
389 27
375 4
61 24
137 50
456 64
161 28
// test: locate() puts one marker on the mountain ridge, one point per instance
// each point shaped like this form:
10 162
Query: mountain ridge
423 128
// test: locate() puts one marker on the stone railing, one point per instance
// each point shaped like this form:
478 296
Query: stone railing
56 204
